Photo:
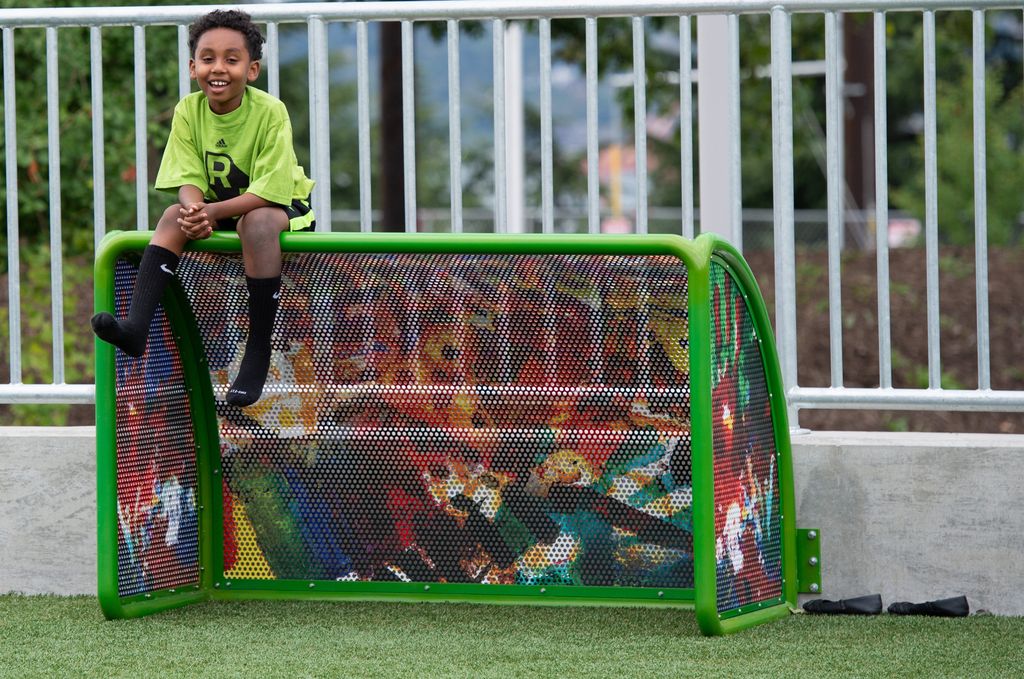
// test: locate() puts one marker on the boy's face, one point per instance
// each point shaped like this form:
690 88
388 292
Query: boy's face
223 68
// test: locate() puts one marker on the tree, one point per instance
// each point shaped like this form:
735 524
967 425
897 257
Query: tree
954 122
75 116
75 133
955 150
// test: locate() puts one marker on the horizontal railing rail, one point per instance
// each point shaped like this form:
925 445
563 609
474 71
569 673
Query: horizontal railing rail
507 209
440 10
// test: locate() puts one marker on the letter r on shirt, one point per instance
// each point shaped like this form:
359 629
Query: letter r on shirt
218 169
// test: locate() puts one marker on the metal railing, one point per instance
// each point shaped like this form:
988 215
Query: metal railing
499 14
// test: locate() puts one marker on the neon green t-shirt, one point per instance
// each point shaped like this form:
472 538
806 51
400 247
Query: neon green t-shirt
246 151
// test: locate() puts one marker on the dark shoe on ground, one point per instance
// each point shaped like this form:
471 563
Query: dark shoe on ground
954 607
861 605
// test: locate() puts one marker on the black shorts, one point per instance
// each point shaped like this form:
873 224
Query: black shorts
300 217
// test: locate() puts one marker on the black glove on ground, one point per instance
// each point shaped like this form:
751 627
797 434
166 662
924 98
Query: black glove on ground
955 607
861 605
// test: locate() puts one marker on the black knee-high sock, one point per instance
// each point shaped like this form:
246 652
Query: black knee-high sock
129 335
263 300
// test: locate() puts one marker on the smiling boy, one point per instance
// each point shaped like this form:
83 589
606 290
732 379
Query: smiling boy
230 160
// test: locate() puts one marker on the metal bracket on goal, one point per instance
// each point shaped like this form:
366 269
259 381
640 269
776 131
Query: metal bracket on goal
808 554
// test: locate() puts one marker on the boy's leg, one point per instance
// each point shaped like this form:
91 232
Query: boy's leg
260 232
159 262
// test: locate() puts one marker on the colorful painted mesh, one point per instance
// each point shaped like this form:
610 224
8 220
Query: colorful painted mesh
458 418
157 537
748 543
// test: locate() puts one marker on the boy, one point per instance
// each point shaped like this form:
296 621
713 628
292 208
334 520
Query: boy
230 159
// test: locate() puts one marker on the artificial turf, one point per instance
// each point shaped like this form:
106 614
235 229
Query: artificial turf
60 636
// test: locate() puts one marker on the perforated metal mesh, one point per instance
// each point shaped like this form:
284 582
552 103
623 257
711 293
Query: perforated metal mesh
747 523
458 418
158 539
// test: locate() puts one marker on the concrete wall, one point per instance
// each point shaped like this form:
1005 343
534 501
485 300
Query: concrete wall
911 516
916 517
48 510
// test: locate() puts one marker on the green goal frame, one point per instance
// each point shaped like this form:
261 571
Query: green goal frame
699 257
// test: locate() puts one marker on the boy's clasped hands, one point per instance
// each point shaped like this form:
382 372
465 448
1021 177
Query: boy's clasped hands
195 221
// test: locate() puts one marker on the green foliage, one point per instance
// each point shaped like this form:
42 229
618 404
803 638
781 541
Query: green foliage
910 374
954 122
756 142
959 268
75 131
955 147
37 332
75 115
898 423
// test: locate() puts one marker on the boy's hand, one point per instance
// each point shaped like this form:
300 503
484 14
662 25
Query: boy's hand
195 221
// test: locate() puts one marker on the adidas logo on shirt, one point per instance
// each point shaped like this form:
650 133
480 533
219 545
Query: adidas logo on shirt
221 143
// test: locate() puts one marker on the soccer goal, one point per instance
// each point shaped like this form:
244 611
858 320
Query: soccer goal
483 418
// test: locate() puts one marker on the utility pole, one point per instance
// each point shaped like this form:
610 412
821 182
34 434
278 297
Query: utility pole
392 169
858 102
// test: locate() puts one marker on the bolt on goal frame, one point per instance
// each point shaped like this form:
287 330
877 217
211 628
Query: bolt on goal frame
485 418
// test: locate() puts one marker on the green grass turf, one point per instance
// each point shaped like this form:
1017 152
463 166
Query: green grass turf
57 636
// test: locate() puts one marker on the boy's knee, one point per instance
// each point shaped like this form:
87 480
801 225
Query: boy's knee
261 223
171 214
168 223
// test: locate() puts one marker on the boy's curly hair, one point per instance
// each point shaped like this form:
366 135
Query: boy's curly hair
234 19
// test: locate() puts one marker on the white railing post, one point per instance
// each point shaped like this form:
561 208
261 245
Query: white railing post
782 170
593 182
11 187
319 122
56 231
717 125
640 123
99 182
686 125
514 126
547 173
980 200
500 140
409 124
931 203
363 123
836 184
882 204
141 121
454 126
